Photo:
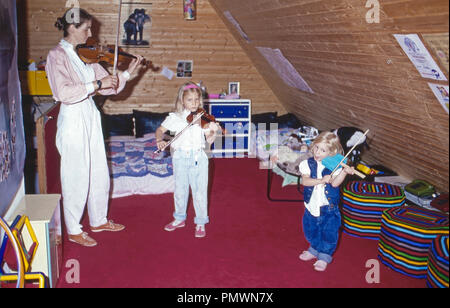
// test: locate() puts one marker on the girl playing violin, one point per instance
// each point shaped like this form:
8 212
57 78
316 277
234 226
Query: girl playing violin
79 138
190 162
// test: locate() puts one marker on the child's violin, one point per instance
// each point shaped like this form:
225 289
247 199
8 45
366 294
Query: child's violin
192 118
205 119
92 52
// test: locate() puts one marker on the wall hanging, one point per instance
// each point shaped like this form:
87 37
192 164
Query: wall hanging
12 135
420 56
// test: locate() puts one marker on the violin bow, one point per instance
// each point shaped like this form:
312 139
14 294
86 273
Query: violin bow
197 117
116 51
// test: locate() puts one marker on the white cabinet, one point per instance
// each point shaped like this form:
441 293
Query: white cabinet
44 214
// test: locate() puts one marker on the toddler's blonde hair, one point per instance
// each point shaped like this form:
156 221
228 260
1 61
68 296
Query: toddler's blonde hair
331 141
188 87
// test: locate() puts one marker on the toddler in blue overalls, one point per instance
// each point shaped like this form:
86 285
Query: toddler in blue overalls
322 217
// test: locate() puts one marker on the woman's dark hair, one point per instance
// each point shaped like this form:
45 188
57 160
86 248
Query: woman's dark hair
74 16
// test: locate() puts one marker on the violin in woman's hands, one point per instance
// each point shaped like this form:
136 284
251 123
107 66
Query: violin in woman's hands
92 52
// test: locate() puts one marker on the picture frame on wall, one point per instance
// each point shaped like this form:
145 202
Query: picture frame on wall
185 68
135 24
234 88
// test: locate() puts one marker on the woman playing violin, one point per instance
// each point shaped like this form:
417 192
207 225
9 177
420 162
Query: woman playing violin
190 162
79 139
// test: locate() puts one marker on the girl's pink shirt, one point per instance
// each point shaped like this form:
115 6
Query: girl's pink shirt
66 86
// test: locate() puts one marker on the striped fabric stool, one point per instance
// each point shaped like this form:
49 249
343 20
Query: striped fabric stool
406 236
362 206
437 274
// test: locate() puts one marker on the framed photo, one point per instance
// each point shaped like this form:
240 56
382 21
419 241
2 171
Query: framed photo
234 88
135 24
185 68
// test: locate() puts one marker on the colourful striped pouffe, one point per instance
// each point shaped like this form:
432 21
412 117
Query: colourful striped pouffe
406 236
362 206
437 274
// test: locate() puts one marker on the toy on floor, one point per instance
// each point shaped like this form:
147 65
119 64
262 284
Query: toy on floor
364 168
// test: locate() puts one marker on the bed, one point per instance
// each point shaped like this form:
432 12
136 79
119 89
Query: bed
135 169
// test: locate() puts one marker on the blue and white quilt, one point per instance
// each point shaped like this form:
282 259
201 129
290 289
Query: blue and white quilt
136 169
136 158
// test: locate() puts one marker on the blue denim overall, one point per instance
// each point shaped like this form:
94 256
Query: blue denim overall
322 232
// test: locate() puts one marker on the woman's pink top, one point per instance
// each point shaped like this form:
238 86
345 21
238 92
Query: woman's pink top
66 86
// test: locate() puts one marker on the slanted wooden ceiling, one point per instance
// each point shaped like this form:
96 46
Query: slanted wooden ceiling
359 73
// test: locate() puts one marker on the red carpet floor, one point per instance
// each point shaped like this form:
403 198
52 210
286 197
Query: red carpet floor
251 243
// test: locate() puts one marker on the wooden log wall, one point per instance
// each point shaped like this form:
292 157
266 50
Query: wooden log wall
359 73
218 58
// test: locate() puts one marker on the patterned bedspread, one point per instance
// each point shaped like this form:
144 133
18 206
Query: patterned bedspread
136 158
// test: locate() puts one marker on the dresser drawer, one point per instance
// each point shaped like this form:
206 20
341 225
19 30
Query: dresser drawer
224 111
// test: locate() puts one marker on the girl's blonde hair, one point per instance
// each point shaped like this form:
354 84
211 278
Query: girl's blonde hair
188 87
331 141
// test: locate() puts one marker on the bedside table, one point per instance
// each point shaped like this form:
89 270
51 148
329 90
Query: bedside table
235 116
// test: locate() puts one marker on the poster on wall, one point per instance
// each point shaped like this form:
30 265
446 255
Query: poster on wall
441 93
418 54
12 139
438 42
135 21
285 69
